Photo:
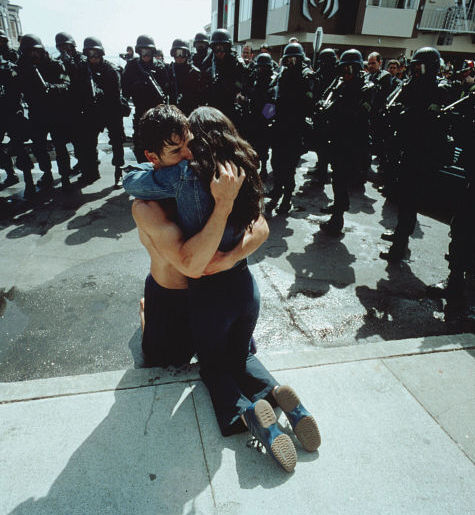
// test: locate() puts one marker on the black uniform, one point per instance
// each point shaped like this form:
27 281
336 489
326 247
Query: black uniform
199 59
348 116
45 87
223 81
71 64
185 86
294 102
148 85
13 123
259 114
324 77
8 54
100 97
421 139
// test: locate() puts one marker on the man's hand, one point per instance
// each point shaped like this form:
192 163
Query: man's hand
226 186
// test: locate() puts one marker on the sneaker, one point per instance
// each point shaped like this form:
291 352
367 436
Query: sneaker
302 422
262 424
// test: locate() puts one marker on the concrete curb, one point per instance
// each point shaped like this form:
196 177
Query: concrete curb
139 378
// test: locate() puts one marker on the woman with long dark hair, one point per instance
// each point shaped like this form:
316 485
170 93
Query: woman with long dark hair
224 307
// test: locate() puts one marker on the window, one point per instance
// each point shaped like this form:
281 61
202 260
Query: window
395 4
277 4
245 10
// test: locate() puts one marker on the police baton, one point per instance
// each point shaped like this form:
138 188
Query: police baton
317 44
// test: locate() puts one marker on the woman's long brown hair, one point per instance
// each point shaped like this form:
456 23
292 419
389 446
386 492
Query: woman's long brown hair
216 140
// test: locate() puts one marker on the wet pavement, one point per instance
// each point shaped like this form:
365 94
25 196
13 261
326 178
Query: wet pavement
73 270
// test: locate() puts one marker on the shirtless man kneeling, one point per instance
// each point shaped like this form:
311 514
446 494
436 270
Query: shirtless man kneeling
166 333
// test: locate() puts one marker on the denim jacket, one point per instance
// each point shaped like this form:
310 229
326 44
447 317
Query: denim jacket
194 203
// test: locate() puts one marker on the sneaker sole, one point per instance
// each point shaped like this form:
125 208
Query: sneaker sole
282 447
306 429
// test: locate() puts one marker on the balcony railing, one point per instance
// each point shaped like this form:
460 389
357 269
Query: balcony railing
394 4
457 19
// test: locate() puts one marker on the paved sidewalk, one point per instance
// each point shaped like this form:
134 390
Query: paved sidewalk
397 422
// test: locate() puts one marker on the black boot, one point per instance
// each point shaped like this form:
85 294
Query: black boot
334 226
388 236
396 252
46 181
118 177
12 178
65 183
285 205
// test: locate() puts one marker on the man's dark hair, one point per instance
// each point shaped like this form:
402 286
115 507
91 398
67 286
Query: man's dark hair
393 61
375 54
159 124
264 46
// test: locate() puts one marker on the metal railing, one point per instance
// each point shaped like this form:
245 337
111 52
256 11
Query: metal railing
394 4
457 19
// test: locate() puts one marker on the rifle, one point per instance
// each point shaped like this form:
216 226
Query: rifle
154 84
329 100
41 80
457 102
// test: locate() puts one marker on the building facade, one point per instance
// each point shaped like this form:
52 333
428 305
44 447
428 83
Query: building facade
10 21
392 27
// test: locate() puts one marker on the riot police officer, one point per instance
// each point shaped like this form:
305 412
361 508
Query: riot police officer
225 76
325 74
346 106
146 81
421 143
6 52
71 60
13 123
100 96
45 86
294 102
201 45
185 79
260 109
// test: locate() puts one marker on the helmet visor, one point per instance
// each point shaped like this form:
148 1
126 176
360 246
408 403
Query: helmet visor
93 53
180 52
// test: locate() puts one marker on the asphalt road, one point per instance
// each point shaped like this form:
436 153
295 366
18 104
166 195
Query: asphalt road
72 275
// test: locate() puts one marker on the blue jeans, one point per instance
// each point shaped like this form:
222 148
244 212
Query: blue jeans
223 310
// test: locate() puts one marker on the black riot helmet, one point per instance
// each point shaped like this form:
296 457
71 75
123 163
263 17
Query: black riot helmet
429 60
30 41
3 35
327 58
201 37
352 57
263 59
63 38
92 43
221 37
179 44
144 41
293 50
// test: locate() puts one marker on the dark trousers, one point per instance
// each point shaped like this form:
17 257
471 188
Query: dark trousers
462 242
286 153
342 172
223 312
138 146
91 127
167 338
11 126
59 137
412 186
